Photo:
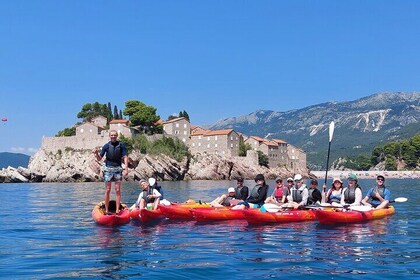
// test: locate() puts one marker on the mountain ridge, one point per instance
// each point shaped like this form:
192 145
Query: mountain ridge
360 124
13 160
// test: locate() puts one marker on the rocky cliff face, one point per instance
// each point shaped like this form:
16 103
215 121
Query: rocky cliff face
82 166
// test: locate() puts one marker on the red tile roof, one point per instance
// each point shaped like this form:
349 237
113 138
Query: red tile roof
219 132
119 121
174 120
279 141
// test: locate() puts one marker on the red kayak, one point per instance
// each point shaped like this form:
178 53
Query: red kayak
217 214
146 215
288 216
110 219
352 216
180 210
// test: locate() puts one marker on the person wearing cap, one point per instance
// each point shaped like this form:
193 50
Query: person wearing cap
298 197
147 197
378 196
314 195
258 195
335 192
287 189
277 196
241 191
352 194
225 199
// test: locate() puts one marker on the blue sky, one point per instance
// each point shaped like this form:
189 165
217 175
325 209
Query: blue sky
214 59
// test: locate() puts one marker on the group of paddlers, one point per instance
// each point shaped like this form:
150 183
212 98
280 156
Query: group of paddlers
295 194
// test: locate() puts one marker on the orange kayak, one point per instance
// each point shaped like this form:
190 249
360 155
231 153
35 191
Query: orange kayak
146 215
288 216
110 219
180 210
344 217
217 214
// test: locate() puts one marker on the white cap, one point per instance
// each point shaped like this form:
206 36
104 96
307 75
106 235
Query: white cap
337 179
152 181
231 190
298 177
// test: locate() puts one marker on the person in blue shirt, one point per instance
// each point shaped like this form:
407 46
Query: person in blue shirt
378 196
115 151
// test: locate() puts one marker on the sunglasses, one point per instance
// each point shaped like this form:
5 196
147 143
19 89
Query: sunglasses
380 180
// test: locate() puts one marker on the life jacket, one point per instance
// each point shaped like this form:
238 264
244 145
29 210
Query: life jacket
311 199
255 191
278 192
158 188
239 192
113 154
227 200
145 193
297 195
335 198
350 195
381 192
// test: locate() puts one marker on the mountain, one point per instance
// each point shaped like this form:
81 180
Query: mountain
13 159
360 125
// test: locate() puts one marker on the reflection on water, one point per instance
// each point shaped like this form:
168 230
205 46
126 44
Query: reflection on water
54 236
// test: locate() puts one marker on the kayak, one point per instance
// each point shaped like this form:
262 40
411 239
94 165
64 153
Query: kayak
217 214
180 210
288 216
146 215
352 216
111 219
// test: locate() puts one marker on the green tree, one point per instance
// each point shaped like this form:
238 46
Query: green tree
141 115
89 111
262 159
243 147
184 114
109 110
171 117
390 164
70 131
116 116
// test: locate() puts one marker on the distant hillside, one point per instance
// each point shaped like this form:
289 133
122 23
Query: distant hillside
14 160
360 125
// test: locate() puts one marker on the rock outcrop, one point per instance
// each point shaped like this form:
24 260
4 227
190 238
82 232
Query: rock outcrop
82 166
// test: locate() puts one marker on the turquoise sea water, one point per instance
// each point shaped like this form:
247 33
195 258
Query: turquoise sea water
47 232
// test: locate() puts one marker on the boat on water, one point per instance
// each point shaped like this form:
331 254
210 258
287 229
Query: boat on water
146 215
338 216
110 218
217 214
287 216
181 210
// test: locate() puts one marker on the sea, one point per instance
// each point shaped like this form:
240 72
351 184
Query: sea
47 232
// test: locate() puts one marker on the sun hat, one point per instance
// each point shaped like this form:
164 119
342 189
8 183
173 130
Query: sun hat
352 177
289 179
279 180
231 189
380 177
298 177
337 179
259 177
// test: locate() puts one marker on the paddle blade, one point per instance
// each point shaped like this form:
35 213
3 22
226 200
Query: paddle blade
331 131
401 199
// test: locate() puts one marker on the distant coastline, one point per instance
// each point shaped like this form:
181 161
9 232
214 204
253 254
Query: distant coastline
368 174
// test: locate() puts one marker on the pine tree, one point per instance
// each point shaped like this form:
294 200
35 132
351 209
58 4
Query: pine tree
116 117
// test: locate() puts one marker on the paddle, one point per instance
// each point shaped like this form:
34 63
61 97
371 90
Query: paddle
331 132
271 207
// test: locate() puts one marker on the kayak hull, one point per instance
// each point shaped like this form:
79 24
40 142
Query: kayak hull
99 216
289 216
217 214
180 210
346 217
146 215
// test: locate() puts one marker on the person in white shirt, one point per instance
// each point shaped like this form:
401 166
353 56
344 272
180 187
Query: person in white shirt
147 197
298 197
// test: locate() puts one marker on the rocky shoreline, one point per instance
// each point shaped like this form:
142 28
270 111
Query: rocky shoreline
82 166
368 174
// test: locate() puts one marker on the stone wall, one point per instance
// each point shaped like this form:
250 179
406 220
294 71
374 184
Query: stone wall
52 144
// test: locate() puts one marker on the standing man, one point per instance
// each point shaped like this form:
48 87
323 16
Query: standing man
115 151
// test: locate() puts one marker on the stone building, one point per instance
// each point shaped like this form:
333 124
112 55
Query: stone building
178 127
297 158
223 142
122 127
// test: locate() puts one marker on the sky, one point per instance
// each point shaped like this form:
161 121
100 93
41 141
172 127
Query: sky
213 59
